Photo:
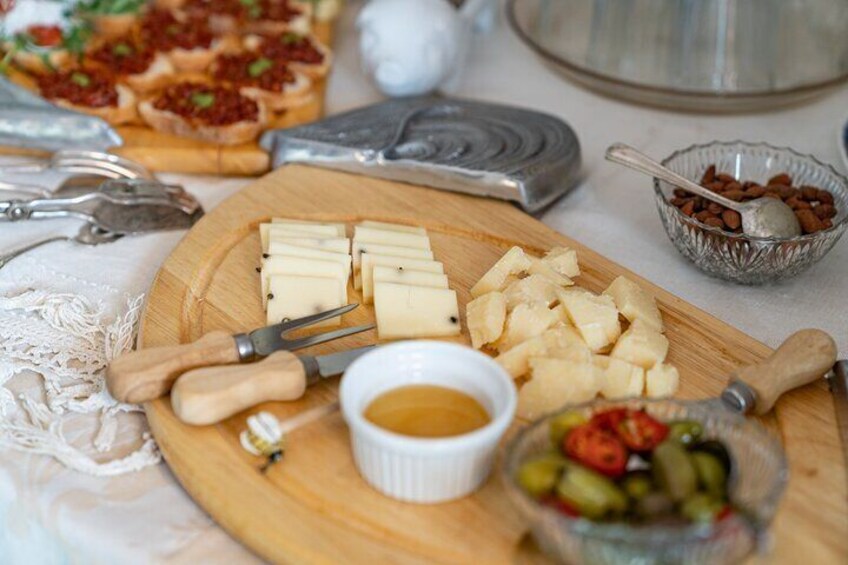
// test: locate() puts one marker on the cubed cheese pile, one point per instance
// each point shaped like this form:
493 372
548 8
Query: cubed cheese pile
394 267
565 341
305 268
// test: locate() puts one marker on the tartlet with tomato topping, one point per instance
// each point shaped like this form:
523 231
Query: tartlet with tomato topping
110 18
257 16
91 91
189 44
303 53
38 48
138 64
215 113
260 78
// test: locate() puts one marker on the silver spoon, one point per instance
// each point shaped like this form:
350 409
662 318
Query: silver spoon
761 217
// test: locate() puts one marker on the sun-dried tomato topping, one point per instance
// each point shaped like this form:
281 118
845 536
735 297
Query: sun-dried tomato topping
244 10
164 32
291 47
199 8
83 87
211 105
124 56
45 36
253 70
273 10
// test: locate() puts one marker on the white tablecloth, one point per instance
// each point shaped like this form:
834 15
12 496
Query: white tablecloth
49 514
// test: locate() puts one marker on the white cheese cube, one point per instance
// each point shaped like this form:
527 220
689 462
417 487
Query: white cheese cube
560 337
513 263
415 311
562 260
634 303
595 317
400 239
409 277
282 265
554 384
530 290
661 381
334 245
619 379
390 250
516 361
524 322
485 317
369 261
540 268
339 227
393 227
641 345
293 297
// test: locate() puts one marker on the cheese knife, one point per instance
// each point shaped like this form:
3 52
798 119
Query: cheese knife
838 381
206 396
146 374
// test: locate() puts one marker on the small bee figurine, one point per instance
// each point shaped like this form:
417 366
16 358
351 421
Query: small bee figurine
263 438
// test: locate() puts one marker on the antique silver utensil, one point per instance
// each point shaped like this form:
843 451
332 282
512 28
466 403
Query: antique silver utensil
87 235
762 217
76 161
460 145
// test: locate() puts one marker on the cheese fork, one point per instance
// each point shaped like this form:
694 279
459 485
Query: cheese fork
146 374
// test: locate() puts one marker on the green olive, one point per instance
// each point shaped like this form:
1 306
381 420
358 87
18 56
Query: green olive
711 474
539 475
674 471
563 423
590 493
701 507
686 432
717 450
637 484
654 505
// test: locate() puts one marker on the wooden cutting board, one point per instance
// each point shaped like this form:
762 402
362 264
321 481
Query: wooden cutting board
313 506
162 152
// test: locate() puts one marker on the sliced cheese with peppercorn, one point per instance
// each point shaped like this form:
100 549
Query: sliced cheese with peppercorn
594 316
282 265
341 231
335 245
641 345
485 317
363 234
513 263
369 261
267 232
661 381
286 250
378 249
292 297
408 276
619 379
404 311
634 303
393 227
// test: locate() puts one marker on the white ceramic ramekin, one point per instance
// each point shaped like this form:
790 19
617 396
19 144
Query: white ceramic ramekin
421 469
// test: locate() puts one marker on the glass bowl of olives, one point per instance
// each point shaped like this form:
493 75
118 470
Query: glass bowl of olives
646 481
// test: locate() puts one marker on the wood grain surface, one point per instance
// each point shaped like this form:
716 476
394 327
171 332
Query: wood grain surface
162 152
313 507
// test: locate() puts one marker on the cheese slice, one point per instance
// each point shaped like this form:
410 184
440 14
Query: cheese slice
400 239
393 227
294 297
378 249
335 245
409 277
267 232
286 250
369 261
415 311
282 265
340 228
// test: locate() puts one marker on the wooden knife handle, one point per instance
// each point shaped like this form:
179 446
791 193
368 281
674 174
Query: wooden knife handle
207 396
804 357
146 374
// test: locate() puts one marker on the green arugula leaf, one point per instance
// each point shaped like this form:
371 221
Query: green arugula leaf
122 50
259 66
291 38
203 99
80 79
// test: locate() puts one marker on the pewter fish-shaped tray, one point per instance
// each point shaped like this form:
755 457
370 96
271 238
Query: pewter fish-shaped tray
478 148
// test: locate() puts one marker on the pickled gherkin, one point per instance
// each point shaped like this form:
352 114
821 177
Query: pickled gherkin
590 493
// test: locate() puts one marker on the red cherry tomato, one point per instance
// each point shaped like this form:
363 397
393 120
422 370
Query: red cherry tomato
45 36
555 502
724 513
597 448
609 419
637 429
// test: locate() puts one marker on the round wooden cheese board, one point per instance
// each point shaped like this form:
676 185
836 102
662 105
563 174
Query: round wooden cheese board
313 506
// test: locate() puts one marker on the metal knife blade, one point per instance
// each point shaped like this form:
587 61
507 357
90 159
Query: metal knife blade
838 381
325 366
